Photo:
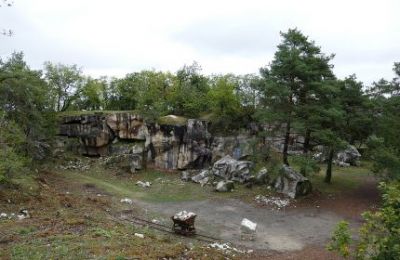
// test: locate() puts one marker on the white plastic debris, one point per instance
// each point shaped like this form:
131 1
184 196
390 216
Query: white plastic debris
145 184
3 215
155 221
225 247
126 200
21 217
248 225
184 215
139 235
273 201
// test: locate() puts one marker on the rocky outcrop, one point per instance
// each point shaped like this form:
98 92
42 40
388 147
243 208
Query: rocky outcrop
167 145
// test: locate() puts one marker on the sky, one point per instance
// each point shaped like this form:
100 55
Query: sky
113 38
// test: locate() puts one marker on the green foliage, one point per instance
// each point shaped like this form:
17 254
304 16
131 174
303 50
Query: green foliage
64 81
292 83
93 94
26 115
308 166
188 96
341 239
379 235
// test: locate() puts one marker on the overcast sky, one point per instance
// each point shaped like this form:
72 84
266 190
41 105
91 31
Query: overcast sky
116 37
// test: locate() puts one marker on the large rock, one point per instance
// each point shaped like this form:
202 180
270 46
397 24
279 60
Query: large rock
231 169
203 177
262 176
349 156
292 183
225 186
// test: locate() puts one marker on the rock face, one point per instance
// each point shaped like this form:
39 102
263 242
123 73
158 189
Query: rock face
291 183
231 169
166 145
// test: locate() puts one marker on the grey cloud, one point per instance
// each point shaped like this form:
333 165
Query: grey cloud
229 36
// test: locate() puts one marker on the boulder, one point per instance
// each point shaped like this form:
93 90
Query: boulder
348 156
185 176
292 183
262 176
224 186
231 169
202 177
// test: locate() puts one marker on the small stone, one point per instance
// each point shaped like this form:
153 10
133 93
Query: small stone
127 200
139 235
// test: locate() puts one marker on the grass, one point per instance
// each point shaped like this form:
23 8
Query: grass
172 120
85 229
343 178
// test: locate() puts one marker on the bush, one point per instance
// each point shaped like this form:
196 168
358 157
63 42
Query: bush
379 235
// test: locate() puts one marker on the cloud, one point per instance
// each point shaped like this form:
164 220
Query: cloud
117 37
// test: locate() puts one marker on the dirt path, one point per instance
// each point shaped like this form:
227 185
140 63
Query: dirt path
276 230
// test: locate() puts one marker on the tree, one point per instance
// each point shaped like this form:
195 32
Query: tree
224 102
65 81
298 67
92 94
188 96
26 115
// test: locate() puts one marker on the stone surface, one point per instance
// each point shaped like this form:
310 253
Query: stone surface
185 176
349 156
231 169
262 176
202 177
292 183
224 186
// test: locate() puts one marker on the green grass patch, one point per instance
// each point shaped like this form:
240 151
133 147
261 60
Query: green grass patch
343 178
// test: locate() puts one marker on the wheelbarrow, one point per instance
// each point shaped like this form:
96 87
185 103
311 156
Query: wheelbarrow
184 226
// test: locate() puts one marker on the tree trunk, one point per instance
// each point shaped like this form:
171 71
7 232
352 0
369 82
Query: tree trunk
306 145
286 144
328 175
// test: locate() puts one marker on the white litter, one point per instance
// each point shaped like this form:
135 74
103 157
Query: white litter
139 235
126 200
21 217
155 221
248 225
225 247
273 201
3 215
145 184
184 215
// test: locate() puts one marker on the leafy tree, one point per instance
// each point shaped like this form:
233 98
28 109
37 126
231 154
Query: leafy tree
26 118
65 81
224 102
92 94
298 67
188 96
